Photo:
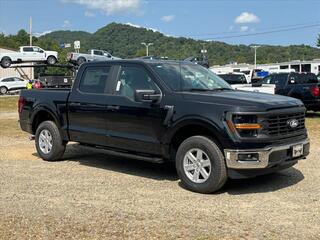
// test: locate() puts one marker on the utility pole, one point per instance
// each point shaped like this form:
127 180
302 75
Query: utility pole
30 30
255 47
147 47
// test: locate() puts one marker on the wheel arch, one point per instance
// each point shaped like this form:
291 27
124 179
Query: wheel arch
192 127
42 114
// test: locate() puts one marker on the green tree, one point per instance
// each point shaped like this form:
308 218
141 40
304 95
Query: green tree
318 44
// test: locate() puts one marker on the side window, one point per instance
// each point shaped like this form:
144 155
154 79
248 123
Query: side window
8 80
94 79
266 80
28 49
133 78
98 53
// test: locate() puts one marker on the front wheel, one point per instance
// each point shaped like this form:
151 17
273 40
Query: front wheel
3 90
51 60
6 62
49 143
200 165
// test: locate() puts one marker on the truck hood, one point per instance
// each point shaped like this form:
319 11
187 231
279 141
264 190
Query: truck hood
243 100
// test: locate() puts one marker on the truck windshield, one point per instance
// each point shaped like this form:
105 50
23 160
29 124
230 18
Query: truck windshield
189 77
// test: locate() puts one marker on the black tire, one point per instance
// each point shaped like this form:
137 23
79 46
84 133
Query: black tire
218 174
51 60
3 90
6 62
58 146
81 60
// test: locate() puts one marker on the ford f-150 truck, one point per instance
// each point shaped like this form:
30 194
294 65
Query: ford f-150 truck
93 55
28 54
162 111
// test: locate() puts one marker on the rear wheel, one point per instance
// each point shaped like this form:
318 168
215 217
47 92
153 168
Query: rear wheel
200 165
49 143
51 60
5 62
3 90
81 60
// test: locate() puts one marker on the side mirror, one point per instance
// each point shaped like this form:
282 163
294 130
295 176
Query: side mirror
256 84
146 96
41 51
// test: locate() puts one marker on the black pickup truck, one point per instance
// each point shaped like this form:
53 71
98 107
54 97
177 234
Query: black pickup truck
303 86
169 111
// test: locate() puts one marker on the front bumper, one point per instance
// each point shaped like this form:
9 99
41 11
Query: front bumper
264 157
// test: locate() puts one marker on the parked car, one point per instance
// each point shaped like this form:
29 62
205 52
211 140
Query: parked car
28 54
238 81
93 55
168 111
12 83
198 60
303 86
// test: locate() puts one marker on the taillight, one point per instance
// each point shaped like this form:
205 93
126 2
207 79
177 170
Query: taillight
315 91
21 103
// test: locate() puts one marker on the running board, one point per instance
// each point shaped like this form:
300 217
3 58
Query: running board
128 155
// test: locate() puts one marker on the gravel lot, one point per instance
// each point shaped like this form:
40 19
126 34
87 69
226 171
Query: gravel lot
91 195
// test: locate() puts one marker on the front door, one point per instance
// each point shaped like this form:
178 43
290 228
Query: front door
87 106
131 125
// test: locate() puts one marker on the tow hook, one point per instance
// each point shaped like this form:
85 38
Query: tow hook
31 137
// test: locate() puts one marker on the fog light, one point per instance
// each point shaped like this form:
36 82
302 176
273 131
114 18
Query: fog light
248 157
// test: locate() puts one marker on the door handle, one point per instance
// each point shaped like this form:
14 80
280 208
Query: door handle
75 104
113 107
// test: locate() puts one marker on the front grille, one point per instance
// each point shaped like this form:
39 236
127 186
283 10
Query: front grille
278 124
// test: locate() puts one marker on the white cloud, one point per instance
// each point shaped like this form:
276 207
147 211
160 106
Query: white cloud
39 34
110 7
66 24
244 28
168 18
247 17
89 14
138 26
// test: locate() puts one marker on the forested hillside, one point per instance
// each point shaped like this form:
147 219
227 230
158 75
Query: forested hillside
125 41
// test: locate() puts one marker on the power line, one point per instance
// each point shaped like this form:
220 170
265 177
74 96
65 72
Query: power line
264 32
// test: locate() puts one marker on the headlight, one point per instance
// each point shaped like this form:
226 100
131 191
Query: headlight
244 125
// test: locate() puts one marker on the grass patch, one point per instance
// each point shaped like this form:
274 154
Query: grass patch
11 128
9 104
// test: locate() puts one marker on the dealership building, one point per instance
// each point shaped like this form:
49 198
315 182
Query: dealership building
23 72
312 66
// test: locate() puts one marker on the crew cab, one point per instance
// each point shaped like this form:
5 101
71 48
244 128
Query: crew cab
28 54
303 86
163 111
93 55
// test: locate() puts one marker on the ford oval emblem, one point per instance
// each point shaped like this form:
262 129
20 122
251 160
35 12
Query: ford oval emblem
293 123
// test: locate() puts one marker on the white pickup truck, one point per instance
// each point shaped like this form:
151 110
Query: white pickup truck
28 54
238 81
93 55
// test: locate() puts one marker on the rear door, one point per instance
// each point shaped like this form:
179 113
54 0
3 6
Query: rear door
131 125
27 54
87 105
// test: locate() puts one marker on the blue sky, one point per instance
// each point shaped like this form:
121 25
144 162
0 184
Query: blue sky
222 20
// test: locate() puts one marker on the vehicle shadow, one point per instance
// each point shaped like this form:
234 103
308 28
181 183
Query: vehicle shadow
265 183
99 159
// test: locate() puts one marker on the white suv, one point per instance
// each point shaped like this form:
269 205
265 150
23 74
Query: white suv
12 83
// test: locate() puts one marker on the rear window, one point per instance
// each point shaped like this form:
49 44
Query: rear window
302 78
94 80
233 78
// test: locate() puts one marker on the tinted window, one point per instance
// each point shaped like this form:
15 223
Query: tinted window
133 78
233 78
94 79
280 79
28 49
8 80
97 53
302 78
